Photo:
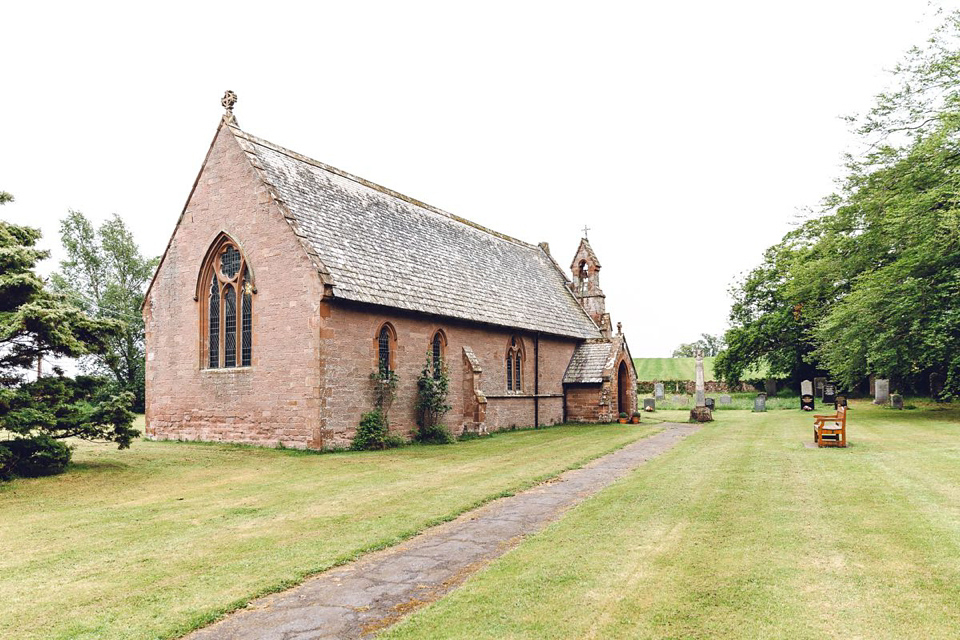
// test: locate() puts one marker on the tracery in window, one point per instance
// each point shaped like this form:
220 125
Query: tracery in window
227 308
514 360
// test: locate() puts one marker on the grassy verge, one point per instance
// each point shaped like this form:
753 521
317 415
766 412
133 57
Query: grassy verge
161 539
740 401
743 532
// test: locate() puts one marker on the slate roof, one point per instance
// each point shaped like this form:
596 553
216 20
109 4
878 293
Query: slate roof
377 246
589 361
594 360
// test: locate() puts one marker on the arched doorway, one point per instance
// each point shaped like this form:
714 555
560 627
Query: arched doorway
623 383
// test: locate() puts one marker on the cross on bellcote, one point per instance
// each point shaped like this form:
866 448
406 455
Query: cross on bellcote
585 229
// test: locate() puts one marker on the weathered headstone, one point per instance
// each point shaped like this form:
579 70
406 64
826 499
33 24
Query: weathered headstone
818 383
677 399
760 402
658 391
840 401
725 400
806 388
806 402
829 393
896 401
710 403
770 386
936 384
882 391
649 404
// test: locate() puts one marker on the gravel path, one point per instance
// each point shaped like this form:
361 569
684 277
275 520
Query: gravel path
368 595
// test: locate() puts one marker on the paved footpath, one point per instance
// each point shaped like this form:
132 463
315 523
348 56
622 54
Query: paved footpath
370 594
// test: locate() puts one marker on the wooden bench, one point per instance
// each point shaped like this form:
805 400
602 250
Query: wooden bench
831 431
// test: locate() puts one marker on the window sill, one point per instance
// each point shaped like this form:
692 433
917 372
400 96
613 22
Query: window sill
225 370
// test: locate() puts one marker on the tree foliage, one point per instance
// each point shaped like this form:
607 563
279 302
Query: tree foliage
37 323
105 275
709 345
872 285
433 384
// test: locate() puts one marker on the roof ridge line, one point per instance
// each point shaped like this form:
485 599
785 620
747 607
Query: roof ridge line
373 185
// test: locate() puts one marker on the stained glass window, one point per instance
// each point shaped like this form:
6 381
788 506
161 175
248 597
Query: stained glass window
230 262
214 331
229 309
383 352
437 355
514 366
229 326
247 320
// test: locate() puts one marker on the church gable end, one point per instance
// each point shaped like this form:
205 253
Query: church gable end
217 369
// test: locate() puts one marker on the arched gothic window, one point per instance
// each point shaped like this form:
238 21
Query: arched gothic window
514 361
226 316
437 348
386 346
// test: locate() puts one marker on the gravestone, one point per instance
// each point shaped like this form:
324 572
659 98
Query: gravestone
760 402
841 401
710 404
936 384
818 383
806 402
882 391
829 393
896 401
770 386
649 404
701 412
725 400
677 400
658 391
701 387
806 388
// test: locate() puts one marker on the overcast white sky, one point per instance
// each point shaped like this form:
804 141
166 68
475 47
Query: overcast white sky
686 135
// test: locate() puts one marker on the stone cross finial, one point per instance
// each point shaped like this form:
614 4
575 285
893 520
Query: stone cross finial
229 99
619 328
585 229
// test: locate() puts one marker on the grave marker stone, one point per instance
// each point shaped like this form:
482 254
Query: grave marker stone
770 386
806 388
760 402
701 387
710 403
841 401
829 393
675 399
806 402
936 384
818 383
658 391
725 400
896 401
881 391
649 404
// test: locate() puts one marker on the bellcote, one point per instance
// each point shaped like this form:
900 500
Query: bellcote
586 285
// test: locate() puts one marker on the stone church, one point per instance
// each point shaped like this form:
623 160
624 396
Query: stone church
288 282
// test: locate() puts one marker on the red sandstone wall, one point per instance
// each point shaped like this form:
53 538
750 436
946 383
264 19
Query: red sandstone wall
349 356
583 403
274 400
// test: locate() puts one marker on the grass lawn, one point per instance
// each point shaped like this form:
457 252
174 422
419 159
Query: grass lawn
683 369
742 532
739 401
155 541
